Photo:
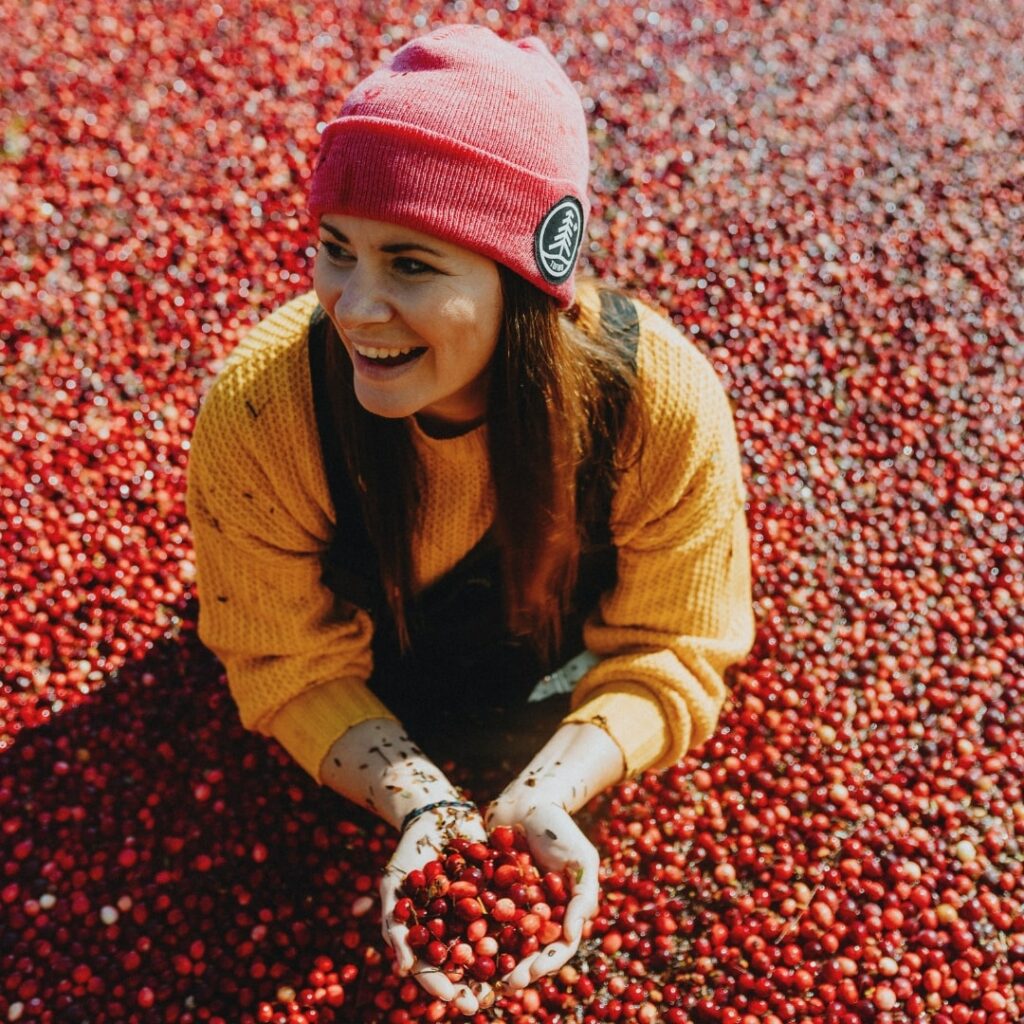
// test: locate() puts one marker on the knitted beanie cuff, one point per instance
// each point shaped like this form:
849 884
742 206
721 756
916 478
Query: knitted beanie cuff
404 174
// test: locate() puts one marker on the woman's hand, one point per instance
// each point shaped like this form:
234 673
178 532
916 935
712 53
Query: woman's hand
377 765
576 764
421 842
558 845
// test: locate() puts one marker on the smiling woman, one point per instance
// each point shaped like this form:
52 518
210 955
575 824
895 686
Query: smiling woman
449 508
419 318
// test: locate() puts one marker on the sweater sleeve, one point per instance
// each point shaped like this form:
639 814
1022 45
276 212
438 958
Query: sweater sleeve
297 661
681 611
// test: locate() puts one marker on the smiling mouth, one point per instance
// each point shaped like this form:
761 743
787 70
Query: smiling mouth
387 356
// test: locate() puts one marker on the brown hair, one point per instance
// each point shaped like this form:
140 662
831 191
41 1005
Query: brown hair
557 405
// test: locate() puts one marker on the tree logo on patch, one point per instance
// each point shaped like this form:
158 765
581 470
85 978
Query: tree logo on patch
556 243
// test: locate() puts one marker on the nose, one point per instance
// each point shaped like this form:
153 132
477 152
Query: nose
362 299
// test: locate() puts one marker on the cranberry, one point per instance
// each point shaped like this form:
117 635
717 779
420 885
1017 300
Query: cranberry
858 299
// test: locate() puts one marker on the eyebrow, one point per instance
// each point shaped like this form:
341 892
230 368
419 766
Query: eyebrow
396 247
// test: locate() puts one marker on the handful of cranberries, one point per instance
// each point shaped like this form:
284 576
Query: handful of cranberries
480 908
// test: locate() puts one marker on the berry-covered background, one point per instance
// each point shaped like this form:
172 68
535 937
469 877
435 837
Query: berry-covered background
827 196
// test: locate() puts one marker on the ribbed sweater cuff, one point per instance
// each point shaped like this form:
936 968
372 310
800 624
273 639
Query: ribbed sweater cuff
633 718
308 725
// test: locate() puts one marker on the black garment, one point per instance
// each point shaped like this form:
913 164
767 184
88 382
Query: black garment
461 689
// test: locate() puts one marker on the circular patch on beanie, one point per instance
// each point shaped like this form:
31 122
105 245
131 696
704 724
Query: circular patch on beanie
556 242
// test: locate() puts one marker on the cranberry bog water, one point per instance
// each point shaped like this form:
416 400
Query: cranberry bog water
827 198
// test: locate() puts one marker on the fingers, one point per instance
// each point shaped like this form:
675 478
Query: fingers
394 932
585 894
556 841
475 830
581 908
440 987
466 1001
502 810
555 956
433 980
519 977
395 936
388 888
552 958
576 915
484 994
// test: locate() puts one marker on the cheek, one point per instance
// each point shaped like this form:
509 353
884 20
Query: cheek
472 349
476 325
487 331
318 280
323 283
487 345
490 317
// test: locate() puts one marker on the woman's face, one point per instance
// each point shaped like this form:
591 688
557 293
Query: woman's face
418 316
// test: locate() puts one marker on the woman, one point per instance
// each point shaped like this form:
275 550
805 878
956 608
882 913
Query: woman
447 510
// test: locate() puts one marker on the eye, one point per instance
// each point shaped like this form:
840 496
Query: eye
410 267
335 253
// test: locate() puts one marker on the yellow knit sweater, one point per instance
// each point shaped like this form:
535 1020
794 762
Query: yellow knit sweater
261 517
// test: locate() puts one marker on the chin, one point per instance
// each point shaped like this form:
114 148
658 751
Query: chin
395 410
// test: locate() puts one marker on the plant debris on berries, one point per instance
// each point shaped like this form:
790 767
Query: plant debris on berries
826 196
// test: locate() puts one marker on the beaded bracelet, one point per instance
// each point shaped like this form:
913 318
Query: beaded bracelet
416 812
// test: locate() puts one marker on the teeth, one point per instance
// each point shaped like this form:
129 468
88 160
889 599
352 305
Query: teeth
382 353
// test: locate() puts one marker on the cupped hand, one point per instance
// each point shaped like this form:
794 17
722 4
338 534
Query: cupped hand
557 844
421 842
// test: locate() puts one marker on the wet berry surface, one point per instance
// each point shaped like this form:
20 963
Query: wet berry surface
827 196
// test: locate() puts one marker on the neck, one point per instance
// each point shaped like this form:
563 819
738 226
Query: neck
441 429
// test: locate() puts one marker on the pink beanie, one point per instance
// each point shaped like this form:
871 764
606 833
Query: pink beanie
471 139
